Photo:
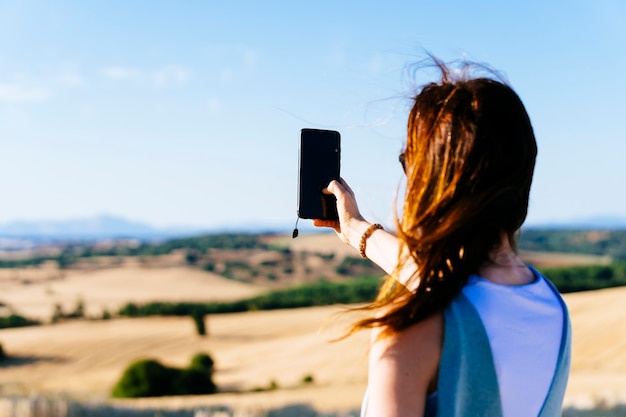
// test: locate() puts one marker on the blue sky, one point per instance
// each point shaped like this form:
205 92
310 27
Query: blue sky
188 113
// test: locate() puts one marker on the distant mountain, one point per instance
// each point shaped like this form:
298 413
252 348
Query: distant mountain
304 226
590 223
99 227
115 227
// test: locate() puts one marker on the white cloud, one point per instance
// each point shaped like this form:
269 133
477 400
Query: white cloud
27 88
120 73
233 61
71 79
168 76
18 93
172 75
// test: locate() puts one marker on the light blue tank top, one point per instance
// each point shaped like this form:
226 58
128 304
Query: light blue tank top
524 325
468 381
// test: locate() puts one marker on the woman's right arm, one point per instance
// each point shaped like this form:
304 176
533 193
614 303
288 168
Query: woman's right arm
381 247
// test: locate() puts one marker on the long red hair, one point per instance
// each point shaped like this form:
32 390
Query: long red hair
469 160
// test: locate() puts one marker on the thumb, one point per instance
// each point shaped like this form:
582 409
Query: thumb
335 188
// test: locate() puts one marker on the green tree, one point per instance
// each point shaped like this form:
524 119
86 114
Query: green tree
79 310
15 320
198 319
192 257
202 361
149 378
106 314
57 313
145 378
198 377
192 381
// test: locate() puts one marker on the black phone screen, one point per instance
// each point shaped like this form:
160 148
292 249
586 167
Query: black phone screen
319 165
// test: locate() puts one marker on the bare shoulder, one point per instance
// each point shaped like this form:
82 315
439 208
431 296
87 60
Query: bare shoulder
423 337
403 368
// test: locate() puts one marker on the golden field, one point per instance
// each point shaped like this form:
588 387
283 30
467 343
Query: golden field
83 359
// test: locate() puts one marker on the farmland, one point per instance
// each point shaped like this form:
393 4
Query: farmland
263 358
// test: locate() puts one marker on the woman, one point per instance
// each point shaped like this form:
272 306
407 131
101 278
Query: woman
462 326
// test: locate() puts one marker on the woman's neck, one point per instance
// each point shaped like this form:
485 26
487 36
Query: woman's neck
504 267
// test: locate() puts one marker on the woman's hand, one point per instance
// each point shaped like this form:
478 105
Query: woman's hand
347 210
382 247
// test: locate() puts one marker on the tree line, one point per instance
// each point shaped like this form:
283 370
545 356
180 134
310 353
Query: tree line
71 253
363 290
358 290
593 242
321 293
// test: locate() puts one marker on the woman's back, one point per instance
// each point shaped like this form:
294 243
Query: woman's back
524 325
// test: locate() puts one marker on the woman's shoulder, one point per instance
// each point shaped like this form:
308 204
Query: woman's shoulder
427 333
415 350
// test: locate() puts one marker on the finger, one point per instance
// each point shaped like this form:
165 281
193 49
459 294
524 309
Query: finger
324 223
346 187
334 187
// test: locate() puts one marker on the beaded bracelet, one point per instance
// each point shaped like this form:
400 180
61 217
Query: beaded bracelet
368 232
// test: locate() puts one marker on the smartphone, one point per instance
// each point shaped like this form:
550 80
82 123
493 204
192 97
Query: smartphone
319 165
